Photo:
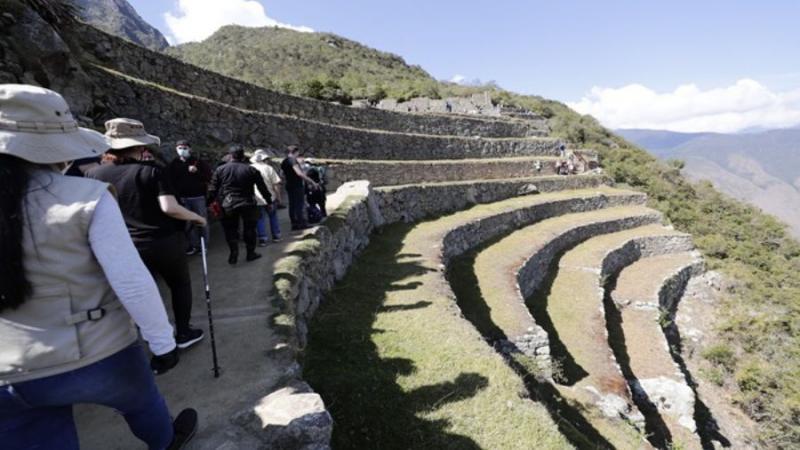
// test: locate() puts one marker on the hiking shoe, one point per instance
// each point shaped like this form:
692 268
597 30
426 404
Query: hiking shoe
262 243
191 337
192 251
185 426
253 256
276 239
233 257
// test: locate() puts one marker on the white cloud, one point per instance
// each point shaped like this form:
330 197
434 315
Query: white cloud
458 79
745 104
195 20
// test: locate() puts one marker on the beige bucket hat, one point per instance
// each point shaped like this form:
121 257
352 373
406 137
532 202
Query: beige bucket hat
36 125
260 155
124 133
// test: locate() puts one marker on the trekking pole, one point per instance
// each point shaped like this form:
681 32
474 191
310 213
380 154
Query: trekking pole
208 306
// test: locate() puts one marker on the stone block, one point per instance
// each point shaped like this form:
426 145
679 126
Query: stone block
293 418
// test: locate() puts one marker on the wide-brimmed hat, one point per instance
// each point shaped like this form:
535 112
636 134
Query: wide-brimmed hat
260 155
124 133
36 125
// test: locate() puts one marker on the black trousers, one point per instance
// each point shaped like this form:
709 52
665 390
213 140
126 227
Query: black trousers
318 198
297 206
248 216
166 257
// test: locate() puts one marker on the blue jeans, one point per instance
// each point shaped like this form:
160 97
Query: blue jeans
196 205
38 413
274 225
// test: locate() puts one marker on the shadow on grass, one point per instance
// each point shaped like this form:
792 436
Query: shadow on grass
360 388
658 433
569 418
570 371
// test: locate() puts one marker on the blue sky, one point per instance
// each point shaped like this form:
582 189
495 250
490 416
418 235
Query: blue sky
588 53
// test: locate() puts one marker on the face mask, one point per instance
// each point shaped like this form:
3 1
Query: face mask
184 152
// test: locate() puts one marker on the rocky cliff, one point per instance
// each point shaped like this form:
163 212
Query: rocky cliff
118 17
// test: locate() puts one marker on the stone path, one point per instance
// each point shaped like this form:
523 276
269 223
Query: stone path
249 370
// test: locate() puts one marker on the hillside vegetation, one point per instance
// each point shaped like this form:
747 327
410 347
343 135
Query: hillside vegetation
757 349
318 65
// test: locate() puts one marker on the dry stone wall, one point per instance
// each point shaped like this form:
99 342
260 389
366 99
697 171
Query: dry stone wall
123 56
411 203
391 173
207 123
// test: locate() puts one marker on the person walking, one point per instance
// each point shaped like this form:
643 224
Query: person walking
296 179
190 177
153 215
233 186
273 182
71 283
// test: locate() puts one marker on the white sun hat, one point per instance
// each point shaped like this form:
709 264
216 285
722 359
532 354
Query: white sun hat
125 133
36 125
260 155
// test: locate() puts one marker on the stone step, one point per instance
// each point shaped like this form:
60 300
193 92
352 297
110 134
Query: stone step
413 319
513 268
646 296
211 124
525 256
393 173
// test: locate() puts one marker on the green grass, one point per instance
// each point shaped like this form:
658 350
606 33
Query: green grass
399 368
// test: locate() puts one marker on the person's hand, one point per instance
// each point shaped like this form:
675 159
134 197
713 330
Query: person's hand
192 169
163 363
199 221
315 185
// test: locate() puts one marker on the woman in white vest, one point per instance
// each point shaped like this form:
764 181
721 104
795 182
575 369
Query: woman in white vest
71 280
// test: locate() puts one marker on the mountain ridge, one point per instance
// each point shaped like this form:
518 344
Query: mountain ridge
118 17
761 168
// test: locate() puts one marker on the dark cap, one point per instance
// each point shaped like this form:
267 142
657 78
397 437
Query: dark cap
182 143
235 148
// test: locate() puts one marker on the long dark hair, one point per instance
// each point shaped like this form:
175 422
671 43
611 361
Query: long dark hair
14 285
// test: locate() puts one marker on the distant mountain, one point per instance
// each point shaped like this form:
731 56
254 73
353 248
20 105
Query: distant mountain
762 168
304 63
658 141
118 17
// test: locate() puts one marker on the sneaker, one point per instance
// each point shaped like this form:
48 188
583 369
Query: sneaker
253 256
189 338
276 239
262 242
191 251
185 426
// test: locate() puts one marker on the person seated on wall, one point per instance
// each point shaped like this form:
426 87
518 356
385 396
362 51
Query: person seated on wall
153 215
71 282
233 186
296 180
190 177
273 182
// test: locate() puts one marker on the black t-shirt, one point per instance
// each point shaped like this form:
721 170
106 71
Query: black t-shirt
138 186
293 180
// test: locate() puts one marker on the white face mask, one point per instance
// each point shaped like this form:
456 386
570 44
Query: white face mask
184 152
